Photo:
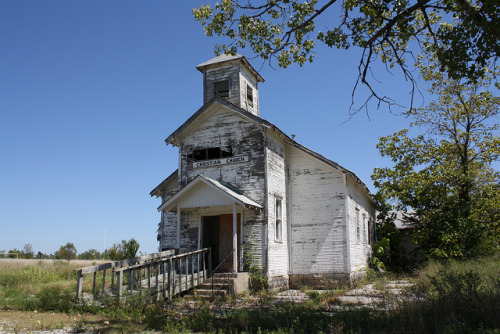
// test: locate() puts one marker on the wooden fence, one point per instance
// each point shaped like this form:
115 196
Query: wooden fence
164 274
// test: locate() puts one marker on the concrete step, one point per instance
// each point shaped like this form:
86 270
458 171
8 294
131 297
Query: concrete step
211 293
216 286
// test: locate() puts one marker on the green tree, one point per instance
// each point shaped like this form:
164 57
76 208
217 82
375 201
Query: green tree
91 254
66 252
125 250
442 178
464 34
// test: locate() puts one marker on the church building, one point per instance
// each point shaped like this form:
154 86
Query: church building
256 196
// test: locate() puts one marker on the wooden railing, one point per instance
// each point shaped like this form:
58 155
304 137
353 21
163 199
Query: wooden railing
163 274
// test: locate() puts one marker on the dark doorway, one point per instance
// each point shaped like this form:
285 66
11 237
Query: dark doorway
218 234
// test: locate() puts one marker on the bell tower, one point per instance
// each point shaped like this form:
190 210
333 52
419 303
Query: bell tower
231 78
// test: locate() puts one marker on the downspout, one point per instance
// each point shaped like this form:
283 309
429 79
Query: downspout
265 228
347 229
289 215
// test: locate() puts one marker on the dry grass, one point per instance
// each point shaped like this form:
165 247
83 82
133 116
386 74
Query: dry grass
21 263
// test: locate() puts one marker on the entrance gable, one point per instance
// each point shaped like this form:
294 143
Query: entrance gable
206 192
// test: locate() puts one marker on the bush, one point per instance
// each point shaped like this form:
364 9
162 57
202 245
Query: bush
54 298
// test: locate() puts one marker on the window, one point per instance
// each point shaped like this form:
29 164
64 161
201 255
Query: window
279 220
210 153
365 235
249 96
221 89
358 227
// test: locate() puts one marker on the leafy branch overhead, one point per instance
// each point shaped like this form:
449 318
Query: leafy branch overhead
464 34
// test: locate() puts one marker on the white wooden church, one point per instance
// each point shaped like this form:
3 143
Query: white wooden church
254 195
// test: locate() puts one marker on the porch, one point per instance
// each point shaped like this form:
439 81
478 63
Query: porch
210 214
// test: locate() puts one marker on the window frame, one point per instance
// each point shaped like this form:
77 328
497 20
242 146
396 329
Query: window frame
278 219
210 153
358 227
222 94
249 98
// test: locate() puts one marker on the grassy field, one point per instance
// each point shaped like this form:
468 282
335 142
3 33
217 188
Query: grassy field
453 297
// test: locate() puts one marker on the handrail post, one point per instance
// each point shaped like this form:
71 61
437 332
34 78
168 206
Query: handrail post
79 285
119 282
93 284
192 270
171 278
210 262
103 280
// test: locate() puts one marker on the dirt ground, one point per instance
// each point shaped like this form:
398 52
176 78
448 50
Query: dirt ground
38 322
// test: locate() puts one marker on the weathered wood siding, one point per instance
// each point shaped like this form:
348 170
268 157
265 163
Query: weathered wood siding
168 224
316 204
224 128
276 189
247 78
226 71
361 212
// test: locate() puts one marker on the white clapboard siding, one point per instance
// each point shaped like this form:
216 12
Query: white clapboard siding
360 249
276 188
203 195
317 201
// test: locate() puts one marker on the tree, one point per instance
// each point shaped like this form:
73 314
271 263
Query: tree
28 251
442 178
464 34
125 250
66 252
91 254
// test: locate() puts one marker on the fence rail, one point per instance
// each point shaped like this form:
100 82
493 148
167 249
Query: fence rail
164 274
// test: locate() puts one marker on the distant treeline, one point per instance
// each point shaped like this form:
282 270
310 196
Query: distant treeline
123 250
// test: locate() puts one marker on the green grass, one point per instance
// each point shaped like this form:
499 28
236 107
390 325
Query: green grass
451 297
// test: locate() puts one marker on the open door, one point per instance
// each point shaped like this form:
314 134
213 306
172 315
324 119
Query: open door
218 234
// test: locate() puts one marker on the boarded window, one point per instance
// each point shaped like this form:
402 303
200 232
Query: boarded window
279 220
221 89
210 153
365 235
358 227
249 96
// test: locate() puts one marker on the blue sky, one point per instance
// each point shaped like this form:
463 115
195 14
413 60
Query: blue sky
89 90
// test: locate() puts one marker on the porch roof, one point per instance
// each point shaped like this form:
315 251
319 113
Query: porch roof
207 188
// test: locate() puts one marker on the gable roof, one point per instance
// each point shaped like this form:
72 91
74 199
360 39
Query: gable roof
172 139
159 188
242 112
223 189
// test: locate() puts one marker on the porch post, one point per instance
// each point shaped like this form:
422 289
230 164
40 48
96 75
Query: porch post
178 243
235 239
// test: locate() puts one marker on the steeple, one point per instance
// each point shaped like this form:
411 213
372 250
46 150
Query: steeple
231 78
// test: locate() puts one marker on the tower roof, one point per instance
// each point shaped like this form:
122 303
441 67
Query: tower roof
224 58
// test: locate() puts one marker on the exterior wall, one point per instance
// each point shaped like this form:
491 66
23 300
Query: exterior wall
225 71
226 129
247 78
316 203
168 224
277 270
360 247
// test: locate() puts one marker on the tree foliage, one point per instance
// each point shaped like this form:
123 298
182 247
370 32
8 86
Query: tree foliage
91 254
442 178
464 34
125 250
66 252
